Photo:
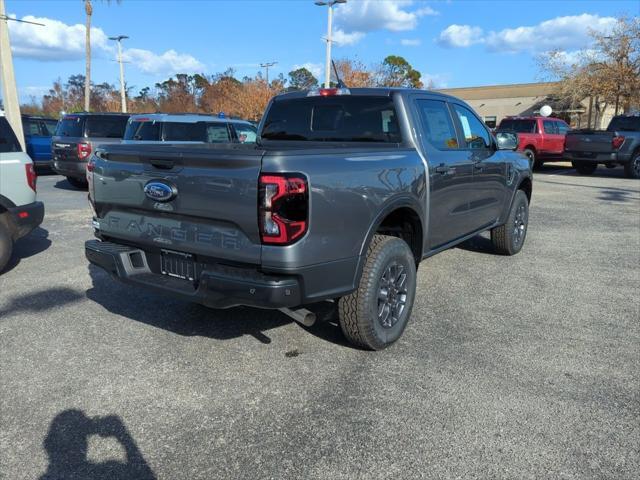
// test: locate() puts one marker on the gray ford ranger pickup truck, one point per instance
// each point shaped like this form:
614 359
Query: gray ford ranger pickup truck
344 194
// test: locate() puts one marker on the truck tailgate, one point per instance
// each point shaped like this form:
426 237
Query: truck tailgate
588 141
212 209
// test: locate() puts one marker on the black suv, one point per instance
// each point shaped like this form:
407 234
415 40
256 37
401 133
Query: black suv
77 135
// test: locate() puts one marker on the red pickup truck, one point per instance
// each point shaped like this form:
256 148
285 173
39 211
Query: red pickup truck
541 139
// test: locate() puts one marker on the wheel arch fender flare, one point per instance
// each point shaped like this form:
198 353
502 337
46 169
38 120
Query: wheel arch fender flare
404 201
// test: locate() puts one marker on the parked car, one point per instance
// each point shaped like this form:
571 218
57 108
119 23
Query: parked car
37 134
619 144
20 213
180 128
541 139
77 135
346 192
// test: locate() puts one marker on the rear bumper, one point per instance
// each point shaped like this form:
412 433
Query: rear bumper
596 157
25 218
218 286
76 168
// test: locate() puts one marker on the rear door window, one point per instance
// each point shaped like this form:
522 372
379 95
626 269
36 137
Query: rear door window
106 126
437 124
217 133
8 141
31 127
624 124
245 133
70 126
184 132
549 127
48 127
518 126
143 130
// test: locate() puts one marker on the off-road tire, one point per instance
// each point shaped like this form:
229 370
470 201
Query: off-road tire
584 168
358 312
6 245
77 183
632 167
505 239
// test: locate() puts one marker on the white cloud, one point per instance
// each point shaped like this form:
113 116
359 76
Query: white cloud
58 41
169 62
568 32
410 42
55 41
359 17
564 33
316 69
460 36
342 38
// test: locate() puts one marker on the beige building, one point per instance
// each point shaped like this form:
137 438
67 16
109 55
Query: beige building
494 102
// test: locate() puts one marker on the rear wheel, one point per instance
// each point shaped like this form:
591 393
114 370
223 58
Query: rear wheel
632 168
77 183
531 155
509 238
376 314
584 168
6 245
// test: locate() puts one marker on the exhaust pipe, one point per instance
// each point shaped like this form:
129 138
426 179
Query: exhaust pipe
300 315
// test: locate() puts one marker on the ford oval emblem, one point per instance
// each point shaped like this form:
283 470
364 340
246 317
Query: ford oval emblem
160 191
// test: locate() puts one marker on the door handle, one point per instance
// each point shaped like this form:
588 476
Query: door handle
444 170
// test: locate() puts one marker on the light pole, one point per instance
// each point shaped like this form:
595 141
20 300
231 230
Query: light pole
123 93
266 66
327 67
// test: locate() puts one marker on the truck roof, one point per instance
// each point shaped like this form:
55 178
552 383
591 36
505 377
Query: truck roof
369 91
530 117
185 118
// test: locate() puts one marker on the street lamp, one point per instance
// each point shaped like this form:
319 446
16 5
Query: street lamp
327 68
266 66
123 93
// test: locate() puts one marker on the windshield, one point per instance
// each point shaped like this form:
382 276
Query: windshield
519 126
70 126
341 118
106 126
624 124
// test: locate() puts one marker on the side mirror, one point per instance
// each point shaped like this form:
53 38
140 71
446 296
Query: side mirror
507 140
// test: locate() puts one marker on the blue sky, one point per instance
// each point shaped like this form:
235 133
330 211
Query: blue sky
454 43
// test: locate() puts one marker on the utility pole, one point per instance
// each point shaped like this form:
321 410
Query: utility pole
123 93
327 67
9 90
266 66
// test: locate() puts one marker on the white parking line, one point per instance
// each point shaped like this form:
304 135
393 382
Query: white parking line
554 173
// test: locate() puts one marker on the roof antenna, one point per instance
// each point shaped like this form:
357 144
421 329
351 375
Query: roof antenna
340 83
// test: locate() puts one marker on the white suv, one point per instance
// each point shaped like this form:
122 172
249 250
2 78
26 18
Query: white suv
19 211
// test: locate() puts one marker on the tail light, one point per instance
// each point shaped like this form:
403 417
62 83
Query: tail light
328 92
617 142
84 150
32 178
283 208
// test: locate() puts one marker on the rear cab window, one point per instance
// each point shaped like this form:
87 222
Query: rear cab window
624 124
342 118
518 126
8 141
71 126
106 126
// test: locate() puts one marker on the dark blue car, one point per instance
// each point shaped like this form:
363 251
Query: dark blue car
37 134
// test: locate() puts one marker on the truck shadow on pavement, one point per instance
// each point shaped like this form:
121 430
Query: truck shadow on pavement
190 319
67 445
33 244
41 301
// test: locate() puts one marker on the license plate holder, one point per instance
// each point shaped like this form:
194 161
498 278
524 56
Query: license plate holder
178 265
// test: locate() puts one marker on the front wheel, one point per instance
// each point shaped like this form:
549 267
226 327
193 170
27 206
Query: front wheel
6 245
632 169
376 314
509 238
584 168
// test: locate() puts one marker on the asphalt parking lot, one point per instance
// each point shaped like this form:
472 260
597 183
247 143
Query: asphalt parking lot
521 367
